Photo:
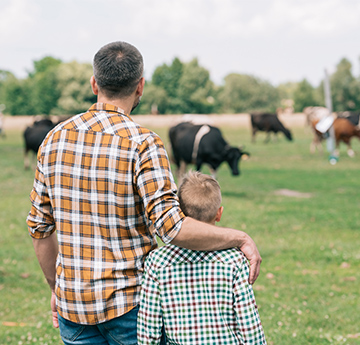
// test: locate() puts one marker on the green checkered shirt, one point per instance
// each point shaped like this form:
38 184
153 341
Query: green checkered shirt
201 297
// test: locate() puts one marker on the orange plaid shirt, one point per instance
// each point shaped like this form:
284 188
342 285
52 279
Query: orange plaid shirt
104 184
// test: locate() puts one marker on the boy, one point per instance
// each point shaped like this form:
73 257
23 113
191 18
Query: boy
198 297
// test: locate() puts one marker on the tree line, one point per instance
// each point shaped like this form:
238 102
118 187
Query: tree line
54 87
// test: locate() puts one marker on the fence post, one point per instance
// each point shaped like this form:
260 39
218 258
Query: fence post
330 142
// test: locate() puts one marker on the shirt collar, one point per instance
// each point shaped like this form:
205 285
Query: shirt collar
110 108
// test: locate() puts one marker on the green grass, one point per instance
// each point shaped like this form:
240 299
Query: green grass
308 290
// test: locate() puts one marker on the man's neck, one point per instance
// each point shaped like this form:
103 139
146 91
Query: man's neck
125 104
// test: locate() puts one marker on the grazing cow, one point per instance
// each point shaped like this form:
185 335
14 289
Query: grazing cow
315 113
268 123
33 137
320 128
202 144
344 130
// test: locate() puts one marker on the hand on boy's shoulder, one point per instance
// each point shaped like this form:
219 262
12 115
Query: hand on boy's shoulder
233 256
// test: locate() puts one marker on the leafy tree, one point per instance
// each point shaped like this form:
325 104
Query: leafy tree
47 91
19 97
37 94
45 64
304 96
5 77
187 87
345 88
46 84
245 93
75 90
168 77
153 99
287 90
196 90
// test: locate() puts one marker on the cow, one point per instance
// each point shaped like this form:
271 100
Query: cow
268 123
202 144
33 137
315 113
352 116
344 130
320 128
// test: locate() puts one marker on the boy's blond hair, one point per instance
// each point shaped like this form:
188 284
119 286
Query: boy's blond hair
200 196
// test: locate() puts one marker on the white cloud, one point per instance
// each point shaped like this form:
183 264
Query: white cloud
83 34
176 18
269 38
242 19
16 17
321 18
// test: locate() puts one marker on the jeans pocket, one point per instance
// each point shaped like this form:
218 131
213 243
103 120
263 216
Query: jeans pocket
69 330
122 330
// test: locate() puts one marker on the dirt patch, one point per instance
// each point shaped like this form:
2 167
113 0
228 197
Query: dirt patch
292 193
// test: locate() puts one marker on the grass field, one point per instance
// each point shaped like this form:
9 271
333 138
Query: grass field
308 291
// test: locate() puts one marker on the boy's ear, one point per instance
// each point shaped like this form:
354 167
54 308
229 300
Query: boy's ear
219 214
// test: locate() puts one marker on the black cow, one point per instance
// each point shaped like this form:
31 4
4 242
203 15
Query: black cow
202 144
34 136
352 116
268 123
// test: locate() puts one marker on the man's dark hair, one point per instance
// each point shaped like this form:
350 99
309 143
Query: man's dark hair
118 68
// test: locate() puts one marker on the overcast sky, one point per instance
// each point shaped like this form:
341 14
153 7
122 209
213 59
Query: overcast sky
275 40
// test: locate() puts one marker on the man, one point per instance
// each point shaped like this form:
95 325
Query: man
104 184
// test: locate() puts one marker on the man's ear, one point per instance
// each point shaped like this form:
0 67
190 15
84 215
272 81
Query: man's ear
140 87
94 86
219 214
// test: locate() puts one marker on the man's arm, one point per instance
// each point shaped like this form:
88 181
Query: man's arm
46 250
202 236
157 189
41 226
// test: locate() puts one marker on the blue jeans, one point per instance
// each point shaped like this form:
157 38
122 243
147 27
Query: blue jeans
118 331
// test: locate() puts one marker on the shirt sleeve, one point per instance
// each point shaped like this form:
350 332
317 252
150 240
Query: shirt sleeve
40 219
245 307
150 320
157 189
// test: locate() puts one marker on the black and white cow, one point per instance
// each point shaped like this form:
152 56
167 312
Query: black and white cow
268 123
202 144
33 137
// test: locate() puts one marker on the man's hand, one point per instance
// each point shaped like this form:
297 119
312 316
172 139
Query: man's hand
252 254
54 311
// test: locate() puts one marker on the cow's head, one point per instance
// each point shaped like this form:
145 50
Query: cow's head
288 134
233 156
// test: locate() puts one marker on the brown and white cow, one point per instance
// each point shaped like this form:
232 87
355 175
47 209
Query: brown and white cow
344 130
315 113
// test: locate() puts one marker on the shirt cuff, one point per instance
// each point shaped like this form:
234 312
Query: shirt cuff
176 219
43 232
